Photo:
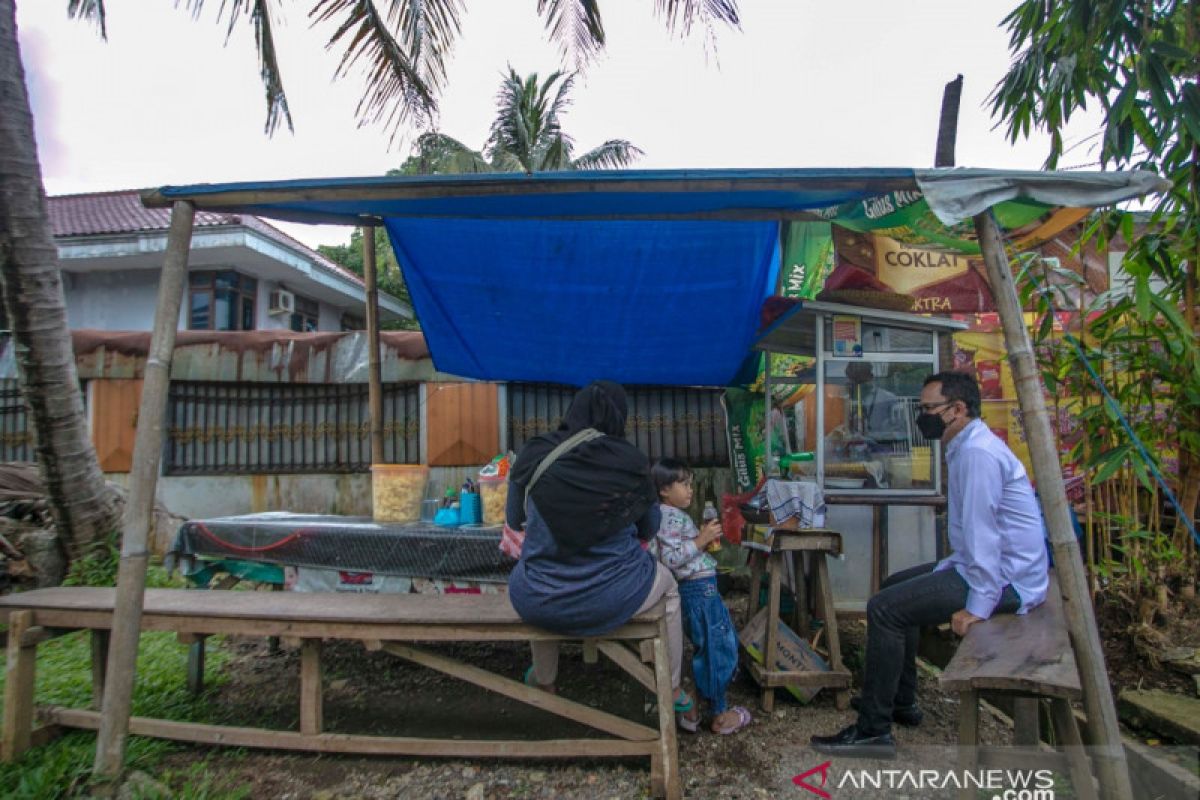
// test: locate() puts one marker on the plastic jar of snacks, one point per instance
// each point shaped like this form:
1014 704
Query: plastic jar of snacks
397 491
494 492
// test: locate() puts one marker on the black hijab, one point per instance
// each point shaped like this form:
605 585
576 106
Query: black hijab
598 487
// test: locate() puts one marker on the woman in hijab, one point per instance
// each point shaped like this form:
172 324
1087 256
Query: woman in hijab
582 570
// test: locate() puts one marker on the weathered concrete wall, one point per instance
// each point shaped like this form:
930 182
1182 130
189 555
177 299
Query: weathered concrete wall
121 301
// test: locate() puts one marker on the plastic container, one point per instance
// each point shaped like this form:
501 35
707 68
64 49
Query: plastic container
470 510
494 494
397 491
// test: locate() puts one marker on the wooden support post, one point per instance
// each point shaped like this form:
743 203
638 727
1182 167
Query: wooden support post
771 637
1066 731
756 572
968 737
374 368
99 665
948 124
19 672
195 666
1025 722
1068 563
139 508
311 705
664 764
841 699
590 653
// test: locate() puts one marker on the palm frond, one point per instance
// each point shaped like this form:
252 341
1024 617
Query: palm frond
681 15
613 154
90 10
259 12
576 26
438 154
395 91
555 155
427 31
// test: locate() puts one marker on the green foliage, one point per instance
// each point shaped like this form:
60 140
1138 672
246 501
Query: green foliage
388 273
99 565
1139 63
61 768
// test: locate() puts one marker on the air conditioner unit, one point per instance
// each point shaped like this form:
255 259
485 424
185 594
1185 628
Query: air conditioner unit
281 302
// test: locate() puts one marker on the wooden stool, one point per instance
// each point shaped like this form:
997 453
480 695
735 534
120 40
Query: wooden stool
792 545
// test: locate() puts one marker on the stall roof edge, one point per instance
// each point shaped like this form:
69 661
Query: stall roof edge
793 322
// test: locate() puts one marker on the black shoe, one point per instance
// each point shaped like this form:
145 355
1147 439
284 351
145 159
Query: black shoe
908 716
853 743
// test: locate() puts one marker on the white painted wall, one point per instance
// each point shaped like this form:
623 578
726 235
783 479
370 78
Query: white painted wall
115 301
125 301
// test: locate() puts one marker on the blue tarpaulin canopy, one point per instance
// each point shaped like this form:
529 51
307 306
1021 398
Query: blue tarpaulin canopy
635 276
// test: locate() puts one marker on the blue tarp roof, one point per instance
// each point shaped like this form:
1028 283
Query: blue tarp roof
636 276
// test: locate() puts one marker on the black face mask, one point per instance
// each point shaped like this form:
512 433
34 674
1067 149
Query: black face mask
931 426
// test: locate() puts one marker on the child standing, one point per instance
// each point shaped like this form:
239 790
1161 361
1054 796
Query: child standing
681 547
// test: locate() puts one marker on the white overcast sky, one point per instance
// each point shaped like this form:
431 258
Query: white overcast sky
854 83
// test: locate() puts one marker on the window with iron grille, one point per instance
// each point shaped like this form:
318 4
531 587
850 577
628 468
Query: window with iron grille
219 428
307 315
16 431
664 421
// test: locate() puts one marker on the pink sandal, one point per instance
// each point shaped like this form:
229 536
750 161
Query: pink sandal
743 720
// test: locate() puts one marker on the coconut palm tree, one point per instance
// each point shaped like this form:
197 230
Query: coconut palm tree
83 507
526 136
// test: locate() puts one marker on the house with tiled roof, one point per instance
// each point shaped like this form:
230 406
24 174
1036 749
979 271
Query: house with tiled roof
243 274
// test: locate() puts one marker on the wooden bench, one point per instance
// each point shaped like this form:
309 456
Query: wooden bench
1029 658
388 622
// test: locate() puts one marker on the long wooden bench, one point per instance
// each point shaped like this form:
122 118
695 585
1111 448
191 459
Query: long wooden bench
1029 658
388 622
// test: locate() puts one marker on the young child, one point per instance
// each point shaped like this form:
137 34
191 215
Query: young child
681 547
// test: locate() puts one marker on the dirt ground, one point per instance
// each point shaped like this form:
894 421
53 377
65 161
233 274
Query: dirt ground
1130 645
378 693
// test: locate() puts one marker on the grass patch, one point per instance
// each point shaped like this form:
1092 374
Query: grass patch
64 677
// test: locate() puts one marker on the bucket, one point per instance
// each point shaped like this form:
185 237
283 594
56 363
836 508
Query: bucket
397 491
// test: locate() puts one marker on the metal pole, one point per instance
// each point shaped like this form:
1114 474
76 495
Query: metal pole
139 509
374 370
1108 752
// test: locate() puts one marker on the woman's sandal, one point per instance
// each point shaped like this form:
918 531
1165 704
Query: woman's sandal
682 706
743 719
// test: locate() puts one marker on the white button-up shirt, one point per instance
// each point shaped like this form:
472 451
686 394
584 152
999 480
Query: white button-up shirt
997 535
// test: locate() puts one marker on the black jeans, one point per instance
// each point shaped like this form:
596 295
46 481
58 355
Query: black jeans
906 601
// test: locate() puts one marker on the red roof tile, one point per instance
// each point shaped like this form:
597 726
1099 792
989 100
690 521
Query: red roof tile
123 212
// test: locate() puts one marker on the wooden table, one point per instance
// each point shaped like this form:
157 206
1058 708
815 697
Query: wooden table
879 532
792 545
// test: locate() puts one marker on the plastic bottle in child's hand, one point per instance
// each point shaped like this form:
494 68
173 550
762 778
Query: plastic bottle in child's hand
708 515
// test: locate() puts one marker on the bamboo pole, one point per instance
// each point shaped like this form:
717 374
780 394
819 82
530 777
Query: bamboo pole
139 508
1108 752
374 370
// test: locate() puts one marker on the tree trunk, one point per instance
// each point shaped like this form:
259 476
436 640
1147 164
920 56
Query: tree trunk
84 508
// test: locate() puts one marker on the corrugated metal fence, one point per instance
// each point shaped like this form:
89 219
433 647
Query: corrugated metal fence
219 428
677 422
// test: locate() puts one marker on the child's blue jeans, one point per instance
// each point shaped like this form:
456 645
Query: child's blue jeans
714 640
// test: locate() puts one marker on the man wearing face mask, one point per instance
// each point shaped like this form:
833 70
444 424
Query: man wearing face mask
998 565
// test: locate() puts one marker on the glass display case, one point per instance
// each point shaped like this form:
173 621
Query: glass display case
844 383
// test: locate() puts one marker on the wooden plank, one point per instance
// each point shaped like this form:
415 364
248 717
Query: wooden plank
968 737
590 652
627 660
1025 722
771 639
195 665
824 592
779 678
463 423
1028 653
99 666
355 631
371 609
790 541
19 677
576 712
229 736
310 687
664 761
